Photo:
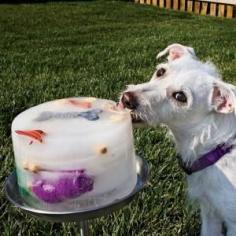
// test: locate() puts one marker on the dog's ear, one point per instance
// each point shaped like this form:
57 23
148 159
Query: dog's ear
176 51
222 99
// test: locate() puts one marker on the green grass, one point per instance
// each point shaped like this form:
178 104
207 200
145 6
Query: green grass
95 48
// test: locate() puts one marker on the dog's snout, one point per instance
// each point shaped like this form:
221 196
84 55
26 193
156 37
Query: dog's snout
129 100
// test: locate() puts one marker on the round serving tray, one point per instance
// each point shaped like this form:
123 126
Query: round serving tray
12 193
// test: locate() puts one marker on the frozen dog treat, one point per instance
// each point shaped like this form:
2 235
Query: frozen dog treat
74 153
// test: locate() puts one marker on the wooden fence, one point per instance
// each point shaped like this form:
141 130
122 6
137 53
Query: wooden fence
221 8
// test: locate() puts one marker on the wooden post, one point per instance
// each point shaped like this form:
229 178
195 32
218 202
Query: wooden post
141 1
176 4
204 8
190 6
154 2
221 10
213 9
168 4
196 7
148 2
182 5
230 10
161 3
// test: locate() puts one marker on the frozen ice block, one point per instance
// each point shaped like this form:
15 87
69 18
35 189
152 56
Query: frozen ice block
74 153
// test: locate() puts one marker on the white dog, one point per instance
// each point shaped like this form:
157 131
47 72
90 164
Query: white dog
199 109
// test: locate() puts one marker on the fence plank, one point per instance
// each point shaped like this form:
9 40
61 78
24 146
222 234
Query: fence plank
190 6
168 4
176 4
154 2
230 10
141 1
204 8
136 1
213 9
161 3
196 7
182 5
148 2
221 10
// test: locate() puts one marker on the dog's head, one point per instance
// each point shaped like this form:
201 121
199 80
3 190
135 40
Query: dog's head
182 90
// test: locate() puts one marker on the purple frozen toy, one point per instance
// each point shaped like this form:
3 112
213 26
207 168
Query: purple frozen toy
70 185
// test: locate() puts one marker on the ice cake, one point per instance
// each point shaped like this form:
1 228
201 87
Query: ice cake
74 153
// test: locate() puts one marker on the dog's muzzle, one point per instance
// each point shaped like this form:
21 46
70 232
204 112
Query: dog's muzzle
129 100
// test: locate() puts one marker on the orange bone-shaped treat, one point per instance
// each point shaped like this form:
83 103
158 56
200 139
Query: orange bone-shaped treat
83 104
35 134
31 167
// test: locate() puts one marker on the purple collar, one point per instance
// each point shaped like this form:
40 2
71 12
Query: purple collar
206 160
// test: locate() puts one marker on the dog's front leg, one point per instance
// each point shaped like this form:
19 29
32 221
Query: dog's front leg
211 223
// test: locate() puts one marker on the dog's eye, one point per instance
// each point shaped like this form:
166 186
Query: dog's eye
180 96
160 72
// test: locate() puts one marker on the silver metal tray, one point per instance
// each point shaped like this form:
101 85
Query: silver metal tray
12 193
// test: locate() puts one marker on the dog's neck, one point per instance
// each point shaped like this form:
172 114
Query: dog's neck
194 140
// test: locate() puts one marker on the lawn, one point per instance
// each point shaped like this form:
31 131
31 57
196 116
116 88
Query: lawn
95 48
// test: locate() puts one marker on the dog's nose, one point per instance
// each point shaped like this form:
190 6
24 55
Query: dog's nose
129 100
